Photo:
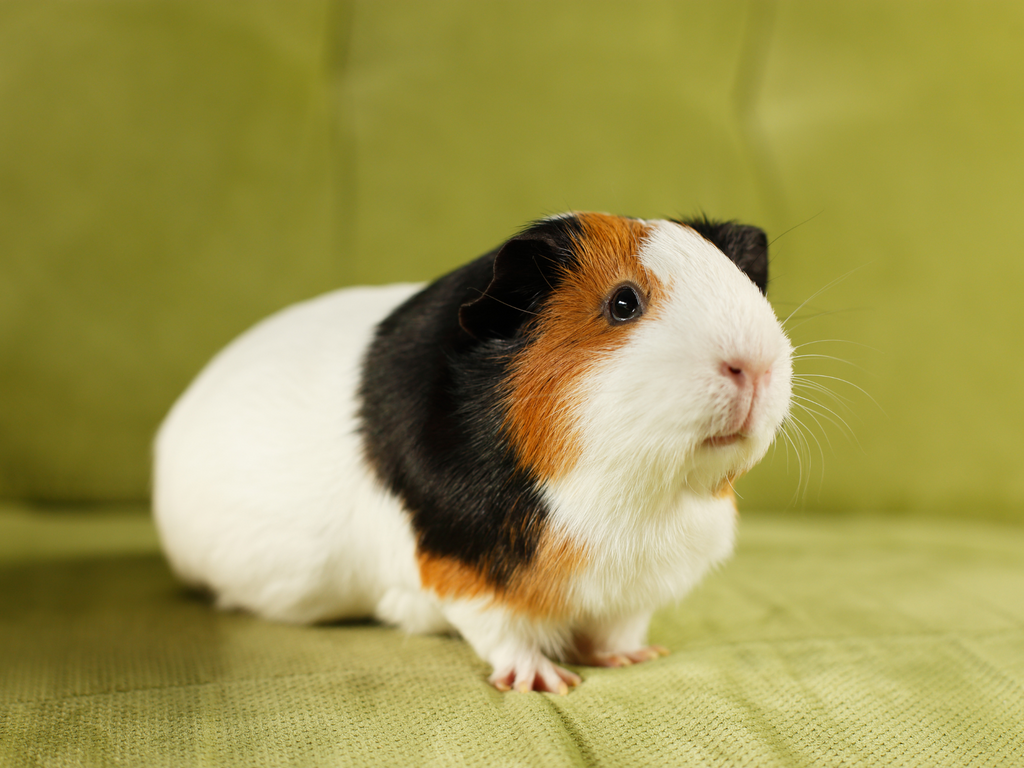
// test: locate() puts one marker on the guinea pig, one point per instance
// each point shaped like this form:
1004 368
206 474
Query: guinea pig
536 450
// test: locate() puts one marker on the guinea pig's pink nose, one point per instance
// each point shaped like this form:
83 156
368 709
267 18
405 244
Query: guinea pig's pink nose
746 373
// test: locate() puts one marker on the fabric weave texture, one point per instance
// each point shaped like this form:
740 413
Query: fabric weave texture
825 642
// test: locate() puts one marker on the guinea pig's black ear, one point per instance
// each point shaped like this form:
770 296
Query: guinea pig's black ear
526 269
746 246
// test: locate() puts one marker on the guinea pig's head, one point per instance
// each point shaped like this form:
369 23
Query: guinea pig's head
642 354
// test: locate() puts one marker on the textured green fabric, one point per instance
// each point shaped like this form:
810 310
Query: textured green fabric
825 642
29 533
167 178
172 170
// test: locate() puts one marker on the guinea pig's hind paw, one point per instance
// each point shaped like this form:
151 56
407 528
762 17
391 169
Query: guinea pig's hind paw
542 676
623 658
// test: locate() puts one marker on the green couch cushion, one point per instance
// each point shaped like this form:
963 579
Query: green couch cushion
166 180
173 170
826 641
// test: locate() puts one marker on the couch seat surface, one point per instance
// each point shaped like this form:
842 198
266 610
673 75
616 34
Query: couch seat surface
856 640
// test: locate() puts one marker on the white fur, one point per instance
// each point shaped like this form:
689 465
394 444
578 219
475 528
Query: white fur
262 493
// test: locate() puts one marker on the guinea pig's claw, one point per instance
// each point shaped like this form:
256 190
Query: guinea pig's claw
544 677
624 658
650 653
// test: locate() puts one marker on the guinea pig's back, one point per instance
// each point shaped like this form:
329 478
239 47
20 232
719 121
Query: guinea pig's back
261 493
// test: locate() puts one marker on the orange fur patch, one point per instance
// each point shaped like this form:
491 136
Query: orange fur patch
536 589
569 335
726 490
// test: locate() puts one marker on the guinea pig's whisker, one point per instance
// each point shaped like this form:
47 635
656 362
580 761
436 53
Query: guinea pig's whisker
795 226
821 451
823 313
817 293
814 415
813 387
806 436
775 448
848 432
811 356
810 390
799 445
812 406
541 271
816 410
792 442
844 381
510 306
818 387
733 487
834 341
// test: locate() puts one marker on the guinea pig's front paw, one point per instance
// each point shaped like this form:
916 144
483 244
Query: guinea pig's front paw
595 658
534 673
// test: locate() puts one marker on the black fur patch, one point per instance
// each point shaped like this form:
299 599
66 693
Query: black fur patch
746 246
432 412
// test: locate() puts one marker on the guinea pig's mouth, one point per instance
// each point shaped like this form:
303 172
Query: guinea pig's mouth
719 441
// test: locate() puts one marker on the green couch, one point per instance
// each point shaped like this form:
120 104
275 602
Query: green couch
173 170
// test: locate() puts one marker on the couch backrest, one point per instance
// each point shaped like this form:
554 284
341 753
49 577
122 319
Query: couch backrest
173 170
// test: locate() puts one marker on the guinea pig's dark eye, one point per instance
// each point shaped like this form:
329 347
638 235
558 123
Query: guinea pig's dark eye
624 305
